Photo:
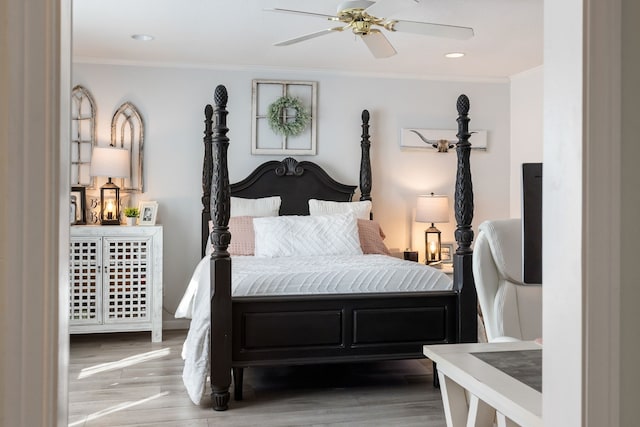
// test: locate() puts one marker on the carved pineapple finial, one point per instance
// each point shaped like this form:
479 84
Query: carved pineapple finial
365 116
220 96
463 105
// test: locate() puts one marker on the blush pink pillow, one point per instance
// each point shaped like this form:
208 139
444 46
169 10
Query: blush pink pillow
242 236
371 237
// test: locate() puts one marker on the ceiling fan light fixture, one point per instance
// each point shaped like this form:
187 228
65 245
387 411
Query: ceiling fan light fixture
365 18
454 55
361 28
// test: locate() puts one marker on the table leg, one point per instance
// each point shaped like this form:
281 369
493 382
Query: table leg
454 401
480 414
458 412
503 421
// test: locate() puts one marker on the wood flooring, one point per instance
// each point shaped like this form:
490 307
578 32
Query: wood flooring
126 380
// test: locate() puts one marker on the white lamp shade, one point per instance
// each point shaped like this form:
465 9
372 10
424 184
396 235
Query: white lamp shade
432 208
110 162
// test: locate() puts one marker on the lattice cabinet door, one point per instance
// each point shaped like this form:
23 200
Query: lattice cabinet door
116 279
127 279
85 281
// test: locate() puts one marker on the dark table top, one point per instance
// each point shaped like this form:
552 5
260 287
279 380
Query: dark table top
523 365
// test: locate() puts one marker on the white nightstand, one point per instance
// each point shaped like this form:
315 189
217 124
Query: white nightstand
115 279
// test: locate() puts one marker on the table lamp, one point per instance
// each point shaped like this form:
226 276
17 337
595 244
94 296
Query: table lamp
110 162
432 208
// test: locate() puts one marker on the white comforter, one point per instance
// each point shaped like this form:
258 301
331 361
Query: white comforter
292 276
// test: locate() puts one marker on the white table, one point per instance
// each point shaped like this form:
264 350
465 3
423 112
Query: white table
475 393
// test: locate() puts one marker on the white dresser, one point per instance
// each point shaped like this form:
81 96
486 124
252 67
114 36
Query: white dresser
115 279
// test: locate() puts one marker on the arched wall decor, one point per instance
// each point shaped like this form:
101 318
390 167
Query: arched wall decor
83 136
127 131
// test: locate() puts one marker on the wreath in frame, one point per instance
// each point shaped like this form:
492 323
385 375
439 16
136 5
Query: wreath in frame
288 126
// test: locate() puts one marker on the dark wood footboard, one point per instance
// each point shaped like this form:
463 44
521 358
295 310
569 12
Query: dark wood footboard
253 331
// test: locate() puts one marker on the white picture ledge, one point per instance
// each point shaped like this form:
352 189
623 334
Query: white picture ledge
439 140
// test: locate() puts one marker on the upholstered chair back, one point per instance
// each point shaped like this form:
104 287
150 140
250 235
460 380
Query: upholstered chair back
511 309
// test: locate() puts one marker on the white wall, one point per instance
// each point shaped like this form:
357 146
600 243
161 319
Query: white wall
171 102
564 222
526 130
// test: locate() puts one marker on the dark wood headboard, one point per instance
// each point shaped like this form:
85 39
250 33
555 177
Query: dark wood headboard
295 182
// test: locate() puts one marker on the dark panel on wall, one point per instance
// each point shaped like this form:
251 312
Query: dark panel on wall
532 223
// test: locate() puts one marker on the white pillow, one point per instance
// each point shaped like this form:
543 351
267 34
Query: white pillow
266 206
307 235
325 207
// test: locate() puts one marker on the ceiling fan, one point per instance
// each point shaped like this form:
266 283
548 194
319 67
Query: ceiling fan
367 18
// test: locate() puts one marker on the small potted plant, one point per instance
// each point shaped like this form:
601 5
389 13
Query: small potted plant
131 214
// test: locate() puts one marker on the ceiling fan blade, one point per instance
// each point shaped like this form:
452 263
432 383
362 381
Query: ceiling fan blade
378 44
437 30
299 12
386 8
308 36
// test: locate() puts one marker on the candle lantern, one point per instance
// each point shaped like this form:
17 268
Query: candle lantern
432 208
433 245
113 163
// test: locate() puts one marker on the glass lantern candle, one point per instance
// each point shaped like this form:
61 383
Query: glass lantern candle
432 208
113 163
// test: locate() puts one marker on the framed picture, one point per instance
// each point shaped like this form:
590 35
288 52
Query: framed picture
78 207
446 253
148 212
284 117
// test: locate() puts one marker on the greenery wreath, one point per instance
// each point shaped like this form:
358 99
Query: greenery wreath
287 126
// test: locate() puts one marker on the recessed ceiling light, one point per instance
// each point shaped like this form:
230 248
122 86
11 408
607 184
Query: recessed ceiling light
142 37
454 55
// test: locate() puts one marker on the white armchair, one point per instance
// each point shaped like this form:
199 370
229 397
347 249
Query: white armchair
511 309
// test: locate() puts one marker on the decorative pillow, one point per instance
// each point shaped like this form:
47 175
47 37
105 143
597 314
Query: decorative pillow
325 207
266 206
306 235
371 237
242 236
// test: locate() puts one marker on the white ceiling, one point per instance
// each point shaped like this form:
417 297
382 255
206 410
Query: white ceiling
239 33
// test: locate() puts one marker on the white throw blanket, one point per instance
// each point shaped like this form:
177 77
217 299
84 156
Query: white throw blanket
253 276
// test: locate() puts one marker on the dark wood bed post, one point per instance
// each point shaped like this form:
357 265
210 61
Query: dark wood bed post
462 258
365 159
220 358
207 174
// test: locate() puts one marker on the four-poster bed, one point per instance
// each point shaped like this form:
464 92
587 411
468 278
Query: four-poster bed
321 328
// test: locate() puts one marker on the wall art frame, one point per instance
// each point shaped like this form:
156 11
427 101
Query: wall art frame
83 136
127 131
78 206
148 213
264 140
446 253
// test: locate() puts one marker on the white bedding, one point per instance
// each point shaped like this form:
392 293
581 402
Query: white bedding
253 276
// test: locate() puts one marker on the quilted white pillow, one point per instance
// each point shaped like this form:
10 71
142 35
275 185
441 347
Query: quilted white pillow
325 207
266 206
306 235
